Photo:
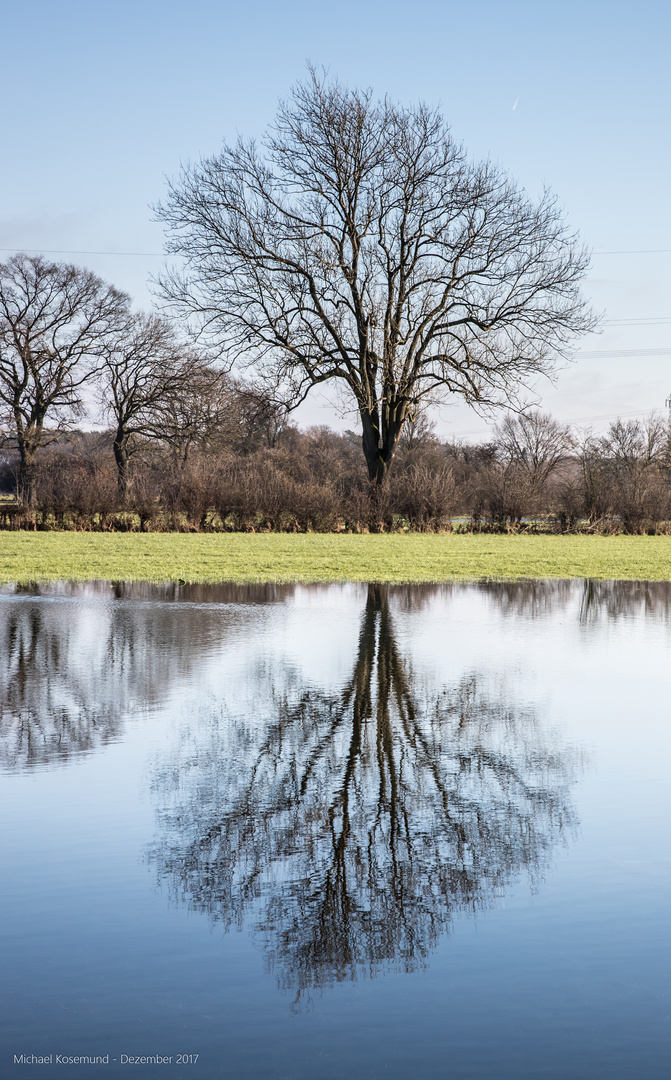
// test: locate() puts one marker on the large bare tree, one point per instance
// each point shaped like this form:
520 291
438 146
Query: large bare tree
359 245
55 320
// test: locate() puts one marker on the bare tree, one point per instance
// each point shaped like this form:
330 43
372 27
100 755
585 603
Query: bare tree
261 419
137 372
634 458
361 246
419 430
535 443
54 322
635 445
153 386
202 411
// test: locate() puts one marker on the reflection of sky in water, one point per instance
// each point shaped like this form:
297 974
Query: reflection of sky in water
522 933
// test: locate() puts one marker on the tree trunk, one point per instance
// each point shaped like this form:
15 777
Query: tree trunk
26 488
121 459
379 446
29 439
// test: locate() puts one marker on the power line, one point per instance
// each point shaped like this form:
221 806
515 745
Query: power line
160 254
651 320
612 416
638 251
577 420
62 251
615 353
619 386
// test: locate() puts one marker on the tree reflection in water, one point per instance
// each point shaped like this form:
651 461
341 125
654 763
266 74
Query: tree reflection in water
348 829
60 691
77 661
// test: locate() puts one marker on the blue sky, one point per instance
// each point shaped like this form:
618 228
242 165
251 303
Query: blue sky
102 100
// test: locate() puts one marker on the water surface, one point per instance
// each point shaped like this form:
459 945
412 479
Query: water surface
336 831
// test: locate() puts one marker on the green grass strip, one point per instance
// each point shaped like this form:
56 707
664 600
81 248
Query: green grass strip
31 557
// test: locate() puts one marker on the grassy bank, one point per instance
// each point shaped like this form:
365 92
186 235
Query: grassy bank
28 557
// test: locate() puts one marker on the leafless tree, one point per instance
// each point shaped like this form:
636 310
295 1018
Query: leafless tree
153 386
261 419
637 444
360 245
139 369
201 413
634 458
54 322
534 442
419 430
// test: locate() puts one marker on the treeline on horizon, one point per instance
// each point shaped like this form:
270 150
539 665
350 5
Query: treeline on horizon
249 469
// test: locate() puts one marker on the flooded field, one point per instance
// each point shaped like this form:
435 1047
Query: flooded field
338 831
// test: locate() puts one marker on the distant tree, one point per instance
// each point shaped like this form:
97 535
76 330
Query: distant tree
153 386
535 443
201 413
632 463
419 431
261 419
635 445
55 321
138 370
362 248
